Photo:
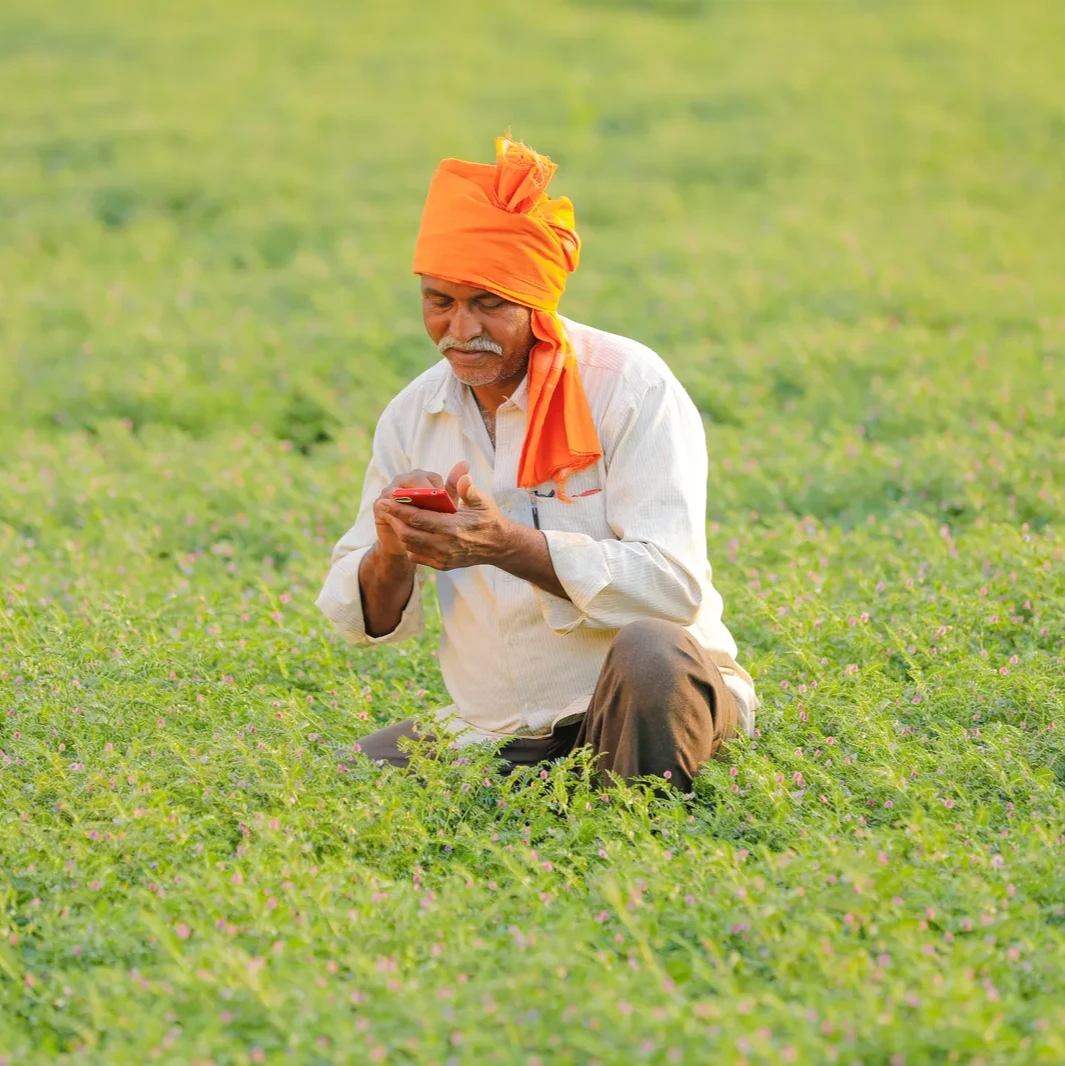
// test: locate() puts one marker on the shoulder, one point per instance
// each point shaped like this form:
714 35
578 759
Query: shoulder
623 379
620 365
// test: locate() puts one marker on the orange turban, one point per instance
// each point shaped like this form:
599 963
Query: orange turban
495 228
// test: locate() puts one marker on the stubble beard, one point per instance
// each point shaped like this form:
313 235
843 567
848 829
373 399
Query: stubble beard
479 376
493 370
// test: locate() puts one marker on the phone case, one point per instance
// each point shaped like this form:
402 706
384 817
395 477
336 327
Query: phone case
426 499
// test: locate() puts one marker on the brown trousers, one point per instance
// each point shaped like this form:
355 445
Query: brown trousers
660 708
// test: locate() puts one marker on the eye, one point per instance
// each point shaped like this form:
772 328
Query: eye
493 304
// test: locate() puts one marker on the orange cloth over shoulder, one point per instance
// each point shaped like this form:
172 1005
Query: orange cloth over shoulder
495 228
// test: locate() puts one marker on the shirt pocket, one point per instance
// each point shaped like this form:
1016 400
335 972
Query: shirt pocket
586 511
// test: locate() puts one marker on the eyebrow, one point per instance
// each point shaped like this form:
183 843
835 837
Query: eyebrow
477 296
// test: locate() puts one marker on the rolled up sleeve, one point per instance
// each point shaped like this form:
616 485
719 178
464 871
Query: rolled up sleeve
341 597
341 602
656 506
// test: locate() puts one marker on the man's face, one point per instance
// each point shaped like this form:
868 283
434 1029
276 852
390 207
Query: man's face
484 337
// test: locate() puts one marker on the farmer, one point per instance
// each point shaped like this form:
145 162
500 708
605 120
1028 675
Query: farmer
575 593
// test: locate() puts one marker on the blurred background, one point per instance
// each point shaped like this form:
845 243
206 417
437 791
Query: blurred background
817 212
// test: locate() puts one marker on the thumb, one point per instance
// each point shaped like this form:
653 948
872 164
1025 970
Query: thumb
470 494
454 477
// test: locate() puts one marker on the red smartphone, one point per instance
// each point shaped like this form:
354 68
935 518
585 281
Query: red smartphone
426 499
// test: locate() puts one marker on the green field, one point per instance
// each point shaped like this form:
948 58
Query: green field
841 223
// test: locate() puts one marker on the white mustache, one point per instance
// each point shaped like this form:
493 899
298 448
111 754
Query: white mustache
475 344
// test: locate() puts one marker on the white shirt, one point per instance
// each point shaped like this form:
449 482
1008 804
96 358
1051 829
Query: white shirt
518 660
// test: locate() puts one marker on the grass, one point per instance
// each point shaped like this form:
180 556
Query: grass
840 223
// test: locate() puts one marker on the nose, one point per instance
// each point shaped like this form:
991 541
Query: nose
464 325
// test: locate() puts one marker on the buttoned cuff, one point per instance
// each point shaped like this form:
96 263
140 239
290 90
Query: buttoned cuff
581 570
341 602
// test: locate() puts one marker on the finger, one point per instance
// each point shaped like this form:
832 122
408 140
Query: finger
415 517
470 494
415 540
418 479
385 511
427 560
457 471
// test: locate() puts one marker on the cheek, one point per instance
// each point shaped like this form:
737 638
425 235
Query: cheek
515 334
436 323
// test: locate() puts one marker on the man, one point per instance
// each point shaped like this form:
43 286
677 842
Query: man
574 588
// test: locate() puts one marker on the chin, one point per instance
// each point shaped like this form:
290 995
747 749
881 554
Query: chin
476 377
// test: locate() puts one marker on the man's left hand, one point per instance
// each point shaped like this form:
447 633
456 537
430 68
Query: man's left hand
475 535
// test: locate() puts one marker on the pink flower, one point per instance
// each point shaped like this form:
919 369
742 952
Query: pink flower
948 803
183 931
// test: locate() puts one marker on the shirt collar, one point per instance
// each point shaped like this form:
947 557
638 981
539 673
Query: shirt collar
450 395
520 396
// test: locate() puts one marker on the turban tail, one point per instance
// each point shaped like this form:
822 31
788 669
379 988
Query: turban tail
494 227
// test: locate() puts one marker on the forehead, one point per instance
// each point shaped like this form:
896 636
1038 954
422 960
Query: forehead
452 288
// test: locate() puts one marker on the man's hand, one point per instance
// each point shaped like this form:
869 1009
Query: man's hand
476 535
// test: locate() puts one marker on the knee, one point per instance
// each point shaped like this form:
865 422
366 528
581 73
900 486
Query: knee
649 654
